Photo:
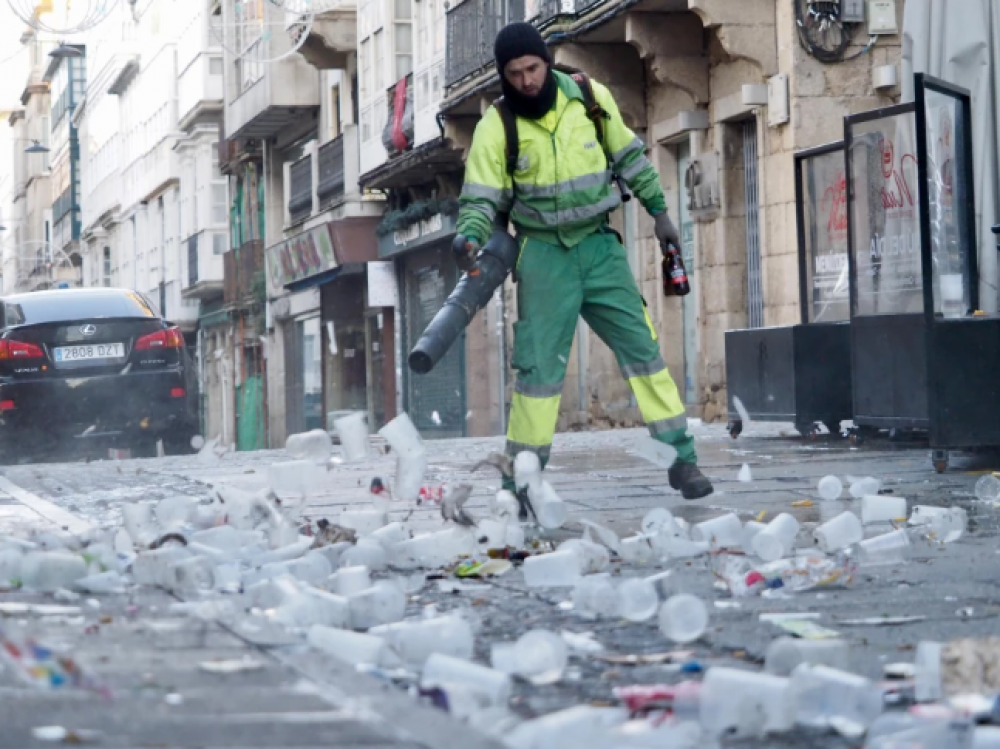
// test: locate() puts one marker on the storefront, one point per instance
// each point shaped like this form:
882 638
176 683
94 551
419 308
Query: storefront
337 348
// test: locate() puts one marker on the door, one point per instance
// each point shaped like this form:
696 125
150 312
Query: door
689 303
755 283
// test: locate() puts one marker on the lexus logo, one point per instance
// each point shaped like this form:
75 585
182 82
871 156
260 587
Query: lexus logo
88 329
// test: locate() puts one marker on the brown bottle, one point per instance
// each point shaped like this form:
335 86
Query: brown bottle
675 279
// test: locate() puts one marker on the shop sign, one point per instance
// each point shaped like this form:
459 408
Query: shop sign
301 256
417 235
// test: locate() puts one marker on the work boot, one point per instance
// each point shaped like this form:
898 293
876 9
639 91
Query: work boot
689 480
524 506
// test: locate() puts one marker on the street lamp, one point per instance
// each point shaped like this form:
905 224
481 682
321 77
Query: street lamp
64 51
36 147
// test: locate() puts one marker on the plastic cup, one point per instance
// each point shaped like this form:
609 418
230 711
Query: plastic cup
643 549
503 658
926 514
927 682
434 549
786 653
777 540
296 478
541 656
314 445
410 470
402 436
527 468
683 618
867 485
551 511
504 505
830 488
390 535
677 547
660 520
739 704
825 696
656 452
363 521
382 603
173 513
139 523
416 639
750 529
351 647
595 595
350 580
879 508
988 488
593 557
353 432
724 532
11 560
367 553
556 569
306 606
637 599
154 567
839 533
192 575
489 686
889 548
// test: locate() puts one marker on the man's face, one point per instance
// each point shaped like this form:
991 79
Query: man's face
526 74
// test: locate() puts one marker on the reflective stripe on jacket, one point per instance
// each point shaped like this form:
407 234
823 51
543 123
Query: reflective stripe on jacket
563 182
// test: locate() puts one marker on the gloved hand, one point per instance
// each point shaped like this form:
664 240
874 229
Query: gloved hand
465 251
665 231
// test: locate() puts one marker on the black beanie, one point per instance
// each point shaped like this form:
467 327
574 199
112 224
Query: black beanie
517 40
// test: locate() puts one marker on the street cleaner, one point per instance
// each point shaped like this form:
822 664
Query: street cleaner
548 154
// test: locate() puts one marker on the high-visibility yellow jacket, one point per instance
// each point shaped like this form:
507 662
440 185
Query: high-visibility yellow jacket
561 191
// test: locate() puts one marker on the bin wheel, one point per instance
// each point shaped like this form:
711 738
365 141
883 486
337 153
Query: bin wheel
940 460
808 430
735 428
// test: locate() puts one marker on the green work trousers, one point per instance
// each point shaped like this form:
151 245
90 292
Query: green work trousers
555 285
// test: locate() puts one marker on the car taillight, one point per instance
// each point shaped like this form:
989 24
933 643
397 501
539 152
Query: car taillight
19 350
177 392
169 338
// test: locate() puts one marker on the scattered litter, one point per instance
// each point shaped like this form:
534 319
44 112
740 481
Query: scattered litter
644 659
744 475
582 642
807 629
64 735
803 503
231 666
881 621
899 670
16 608
741 410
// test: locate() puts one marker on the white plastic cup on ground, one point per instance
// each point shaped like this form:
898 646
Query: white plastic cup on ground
825 696
750 529
192 575
492 687
683 618
645 549
139 522
595 595
724 532
785 654
927 663
660 520
436 549
882 508
744 476
556 569
503 657
306 606
382 603
777 540
541 656
988 488
676 547
839 533
593 557
861 487
367 553
926 514
551 511
410 470
296 478
154 567
638 599
739 704
416 639
353 432
173 513
527 468
11 560
830 488
350 580
503 505
351 647
363 522
889 548
50 570
402 436
390 535
314 445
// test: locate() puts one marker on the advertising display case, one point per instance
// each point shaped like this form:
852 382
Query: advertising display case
802 373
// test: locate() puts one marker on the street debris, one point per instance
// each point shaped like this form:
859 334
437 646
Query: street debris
231 666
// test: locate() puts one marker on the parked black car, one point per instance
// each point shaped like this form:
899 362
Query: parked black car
94 365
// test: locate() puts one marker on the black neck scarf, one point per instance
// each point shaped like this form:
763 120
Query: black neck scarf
531 107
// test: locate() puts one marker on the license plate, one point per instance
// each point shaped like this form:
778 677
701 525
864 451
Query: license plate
90 351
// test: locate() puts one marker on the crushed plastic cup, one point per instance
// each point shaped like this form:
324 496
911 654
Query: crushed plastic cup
593 557
744 476
739 704
595 595
353 432
504 505
889 548
541 656
863 486
777 540
352 647
527 468
927 677
988 488
102 583
671 547
683 618
839 533
296 478
882 508
438 549
830 488
723 532
828 697
551 511
944 524
313 568
637 599
470 687
139 522
305 606
416 639
50 570
750 529
173 513
660 520
390 535
402 436
555 569
314 445
365 553
656 452
410 470
382 603
155 567
364 522
350 580
785 654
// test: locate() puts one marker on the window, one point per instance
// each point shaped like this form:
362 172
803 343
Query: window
379 64
220 211
334 111
106 271
215 66
403 37
366 69
218 244
366 125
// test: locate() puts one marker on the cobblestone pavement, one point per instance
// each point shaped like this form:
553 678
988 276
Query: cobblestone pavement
297 699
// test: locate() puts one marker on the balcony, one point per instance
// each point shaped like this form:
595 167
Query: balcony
333 37
243 271
331 184
397 136
204 274
300 193
472 28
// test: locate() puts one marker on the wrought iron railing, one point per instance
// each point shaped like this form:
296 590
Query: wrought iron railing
472 27
300 189
331 170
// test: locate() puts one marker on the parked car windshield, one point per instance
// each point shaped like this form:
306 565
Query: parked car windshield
31 309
